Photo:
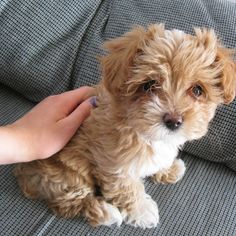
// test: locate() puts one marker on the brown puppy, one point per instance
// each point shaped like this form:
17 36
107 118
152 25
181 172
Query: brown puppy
160 88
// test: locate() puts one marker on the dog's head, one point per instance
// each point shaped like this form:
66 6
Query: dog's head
167 84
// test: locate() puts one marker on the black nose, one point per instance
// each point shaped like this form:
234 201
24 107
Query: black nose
172 121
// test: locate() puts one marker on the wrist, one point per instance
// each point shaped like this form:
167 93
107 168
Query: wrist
14 147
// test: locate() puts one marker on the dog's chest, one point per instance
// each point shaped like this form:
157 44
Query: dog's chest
162 158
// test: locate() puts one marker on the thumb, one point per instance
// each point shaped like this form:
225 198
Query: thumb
81 112
76 118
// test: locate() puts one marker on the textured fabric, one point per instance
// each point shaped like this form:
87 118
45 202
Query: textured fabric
202 203
220 143
51 46
40 42
12 105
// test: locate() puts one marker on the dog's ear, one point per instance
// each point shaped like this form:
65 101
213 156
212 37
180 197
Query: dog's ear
228 73
121 53
223 59
206 37
117 64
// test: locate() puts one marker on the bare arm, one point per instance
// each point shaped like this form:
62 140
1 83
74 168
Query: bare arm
45 129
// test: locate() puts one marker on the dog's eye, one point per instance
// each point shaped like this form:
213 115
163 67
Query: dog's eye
148 85
197 90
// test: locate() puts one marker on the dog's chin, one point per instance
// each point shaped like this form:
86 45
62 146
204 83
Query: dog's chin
161 133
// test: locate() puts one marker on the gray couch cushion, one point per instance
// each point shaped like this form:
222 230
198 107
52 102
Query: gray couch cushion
203 203
12 105
219 144
40 41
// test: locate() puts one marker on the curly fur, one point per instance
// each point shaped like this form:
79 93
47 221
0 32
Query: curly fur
124 139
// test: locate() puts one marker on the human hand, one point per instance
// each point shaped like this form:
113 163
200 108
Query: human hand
47 128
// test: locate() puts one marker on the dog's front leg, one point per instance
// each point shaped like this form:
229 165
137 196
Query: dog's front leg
171 175
137 207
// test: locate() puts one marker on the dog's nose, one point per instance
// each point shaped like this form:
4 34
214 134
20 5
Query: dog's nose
172 121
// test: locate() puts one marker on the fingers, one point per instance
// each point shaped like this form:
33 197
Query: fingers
81 93
76 118
75 97
71 99
82 112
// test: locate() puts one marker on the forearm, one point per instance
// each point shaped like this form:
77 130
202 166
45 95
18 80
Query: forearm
39 136
12 146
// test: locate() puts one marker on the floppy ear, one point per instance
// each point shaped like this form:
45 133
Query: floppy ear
206 37
223 58
116 65
228 76
121 53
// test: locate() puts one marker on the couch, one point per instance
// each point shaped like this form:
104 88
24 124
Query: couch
47 47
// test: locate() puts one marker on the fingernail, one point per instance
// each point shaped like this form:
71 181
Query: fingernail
93 101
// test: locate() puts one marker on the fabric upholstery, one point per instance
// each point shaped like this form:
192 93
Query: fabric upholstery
12 105
40 42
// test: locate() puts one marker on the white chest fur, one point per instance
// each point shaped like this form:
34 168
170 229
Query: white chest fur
163 157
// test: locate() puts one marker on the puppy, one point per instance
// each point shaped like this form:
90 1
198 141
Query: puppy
159 89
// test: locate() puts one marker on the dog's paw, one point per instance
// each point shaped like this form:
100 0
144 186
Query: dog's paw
145 215
171 175
113 215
